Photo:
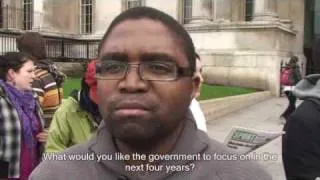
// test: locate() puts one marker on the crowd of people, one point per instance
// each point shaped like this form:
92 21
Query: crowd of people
139 96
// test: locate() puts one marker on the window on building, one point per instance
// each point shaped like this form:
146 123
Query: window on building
316 18
187 11
133 3
27 14
249 10
1 14
86 16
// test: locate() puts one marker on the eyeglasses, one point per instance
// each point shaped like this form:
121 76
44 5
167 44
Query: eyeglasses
150 71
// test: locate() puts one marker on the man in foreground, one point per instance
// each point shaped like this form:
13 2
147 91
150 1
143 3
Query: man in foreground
145 85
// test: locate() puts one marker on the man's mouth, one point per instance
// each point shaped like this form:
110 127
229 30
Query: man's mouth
131 109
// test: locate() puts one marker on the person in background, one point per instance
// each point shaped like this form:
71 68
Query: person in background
78 117
301 141
21 118
290 76
195 105
49 80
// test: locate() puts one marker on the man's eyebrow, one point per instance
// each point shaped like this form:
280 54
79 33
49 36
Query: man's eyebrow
114 56
157 57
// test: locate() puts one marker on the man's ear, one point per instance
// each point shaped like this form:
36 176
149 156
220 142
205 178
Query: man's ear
196 83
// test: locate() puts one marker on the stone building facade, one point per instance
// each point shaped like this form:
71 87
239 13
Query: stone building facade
241 42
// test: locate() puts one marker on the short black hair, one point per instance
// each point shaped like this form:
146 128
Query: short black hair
32 43
12 60
150 13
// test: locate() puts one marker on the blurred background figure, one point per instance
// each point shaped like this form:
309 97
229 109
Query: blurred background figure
78 117
49 80
21 118
195 105
290 76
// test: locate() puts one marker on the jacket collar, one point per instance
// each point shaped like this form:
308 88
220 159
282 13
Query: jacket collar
191 141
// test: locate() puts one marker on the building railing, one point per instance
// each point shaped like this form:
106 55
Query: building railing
63 49
58 48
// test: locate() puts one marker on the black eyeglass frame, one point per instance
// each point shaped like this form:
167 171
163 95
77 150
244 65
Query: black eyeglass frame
181 71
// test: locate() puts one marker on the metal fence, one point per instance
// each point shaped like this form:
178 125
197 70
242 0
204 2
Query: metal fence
65 49
58 48
7 42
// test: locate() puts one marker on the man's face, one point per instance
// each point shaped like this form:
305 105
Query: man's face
136 110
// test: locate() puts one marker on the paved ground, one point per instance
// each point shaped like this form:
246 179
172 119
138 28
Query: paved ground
264 116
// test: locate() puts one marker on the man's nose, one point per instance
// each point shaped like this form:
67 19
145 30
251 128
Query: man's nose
132 82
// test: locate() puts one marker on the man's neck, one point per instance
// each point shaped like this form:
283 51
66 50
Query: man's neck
163 146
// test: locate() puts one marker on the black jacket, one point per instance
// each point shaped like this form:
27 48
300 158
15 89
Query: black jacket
301 143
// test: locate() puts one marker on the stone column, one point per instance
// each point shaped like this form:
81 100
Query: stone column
201 11
223 10
265 10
